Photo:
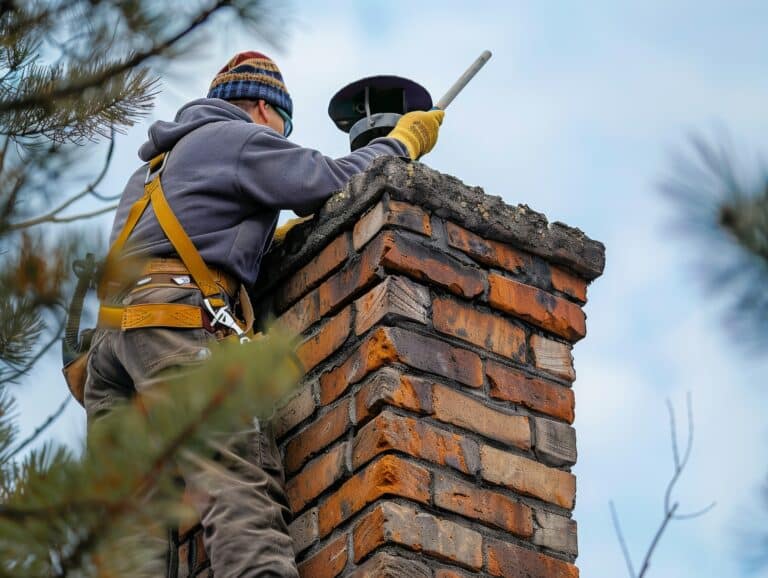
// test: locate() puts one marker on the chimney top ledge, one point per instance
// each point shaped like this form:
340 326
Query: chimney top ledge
445 196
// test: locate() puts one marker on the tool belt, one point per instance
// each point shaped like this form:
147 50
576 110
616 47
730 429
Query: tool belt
219 290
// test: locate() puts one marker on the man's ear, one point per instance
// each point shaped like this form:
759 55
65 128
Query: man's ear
262 107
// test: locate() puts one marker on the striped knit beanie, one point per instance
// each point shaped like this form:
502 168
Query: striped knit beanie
252 76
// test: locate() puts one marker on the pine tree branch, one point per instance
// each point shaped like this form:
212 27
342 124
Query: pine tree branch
37 357
42 98
41 428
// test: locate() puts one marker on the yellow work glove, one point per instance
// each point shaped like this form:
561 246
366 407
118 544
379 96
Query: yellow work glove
417 130
283 229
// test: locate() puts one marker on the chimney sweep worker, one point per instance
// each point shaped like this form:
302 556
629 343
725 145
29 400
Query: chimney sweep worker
227 171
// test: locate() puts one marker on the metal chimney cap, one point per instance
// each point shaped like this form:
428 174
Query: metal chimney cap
386 94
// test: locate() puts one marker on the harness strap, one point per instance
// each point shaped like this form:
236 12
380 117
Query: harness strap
165 314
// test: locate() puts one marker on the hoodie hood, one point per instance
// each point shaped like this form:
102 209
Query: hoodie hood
164 135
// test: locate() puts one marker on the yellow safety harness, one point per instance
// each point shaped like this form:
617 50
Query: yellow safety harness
172 315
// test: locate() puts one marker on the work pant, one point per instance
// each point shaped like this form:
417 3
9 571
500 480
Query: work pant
245 514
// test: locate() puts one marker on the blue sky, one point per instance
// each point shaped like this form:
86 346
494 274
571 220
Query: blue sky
577 115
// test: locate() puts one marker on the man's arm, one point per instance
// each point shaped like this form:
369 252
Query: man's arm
280 174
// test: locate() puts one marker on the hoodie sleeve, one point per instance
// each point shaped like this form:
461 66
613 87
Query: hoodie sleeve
282 175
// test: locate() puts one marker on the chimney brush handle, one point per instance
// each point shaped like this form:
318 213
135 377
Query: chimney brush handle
463 80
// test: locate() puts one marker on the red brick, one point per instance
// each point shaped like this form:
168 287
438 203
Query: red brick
538 307
326 429
390 344
568 284
306 278
391 523
391 432
450 573
489 507
512 561
555 442
553 357
486 330
396 214
316 477
389 476
424 263
470 413
328 562
532 392
388 387
384 565
395 297
555 532
358 274
325 341
489 252
301 315
528 477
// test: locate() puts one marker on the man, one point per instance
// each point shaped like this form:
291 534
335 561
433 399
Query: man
228 171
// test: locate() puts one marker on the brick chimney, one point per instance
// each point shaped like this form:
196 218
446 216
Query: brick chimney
431 436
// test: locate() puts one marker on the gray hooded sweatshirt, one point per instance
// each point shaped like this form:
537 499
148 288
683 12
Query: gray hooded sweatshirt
227 179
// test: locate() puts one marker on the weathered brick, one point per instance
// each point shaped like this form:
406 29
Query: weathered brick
555 442
394 297
325 341
470 413
451 573
389 476
486 330
390 344
555 532
389 387
298 408
568 284
391 432
304 531
301 315
317 476
306 278
314 438
528 477
424 263
395 213
356 275
490 507
532 392
489 252
385 565
513 561
391 523
327 562
538 307
553 357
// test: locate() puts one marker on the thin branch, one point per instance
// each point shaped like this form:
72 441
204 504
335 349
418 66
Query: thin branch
54 219
622 541
647 562
42 427
89 189
39 99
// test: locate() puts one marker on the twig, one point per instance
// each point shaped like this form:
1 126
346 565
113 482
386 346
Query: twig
55 339
622 541
69 219
40 99
42 427
51 217
670 509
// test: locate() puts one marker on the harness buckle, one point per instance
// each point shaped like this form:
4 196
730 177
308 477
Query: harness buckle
224 317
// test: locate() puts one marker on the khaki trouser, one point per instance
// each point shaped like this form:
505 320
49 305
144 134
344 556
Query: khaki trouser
245 515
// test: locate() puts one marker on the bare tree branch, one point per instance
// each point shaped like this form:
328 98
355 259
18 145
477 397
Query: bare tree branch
670 509
54 219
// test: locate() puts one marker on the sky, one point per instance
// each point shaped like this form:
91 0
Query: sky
578 115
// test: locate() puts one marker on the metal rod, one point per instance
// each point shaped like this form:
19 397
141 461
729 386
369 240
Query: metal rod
459 85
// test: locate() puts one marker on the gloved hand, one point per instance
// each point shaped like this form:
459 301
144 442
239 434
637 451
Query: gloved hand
417 130
283 229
